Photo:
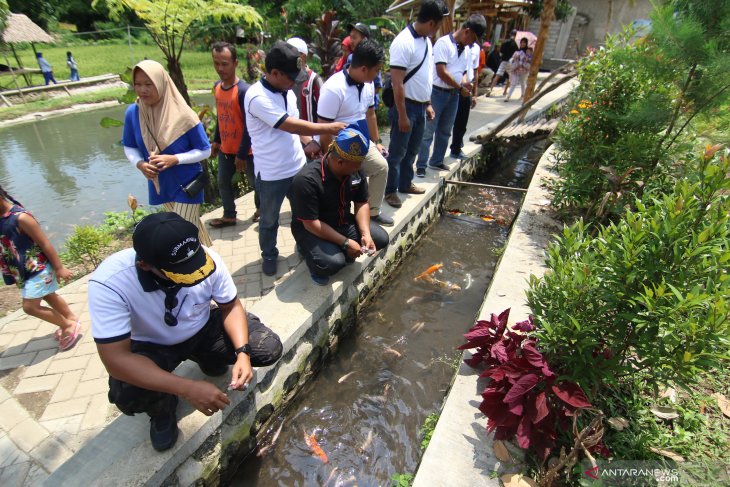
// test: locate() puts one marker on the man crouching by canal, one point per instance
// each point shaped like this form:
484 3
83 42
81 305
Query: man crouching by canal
150 310
327 233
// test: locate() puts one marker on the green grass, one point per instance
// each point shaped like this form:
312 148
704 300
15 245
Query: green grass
115 58
8 113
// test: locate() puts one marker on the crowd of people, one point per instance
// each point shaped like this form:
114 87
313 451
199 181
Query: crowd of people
315 142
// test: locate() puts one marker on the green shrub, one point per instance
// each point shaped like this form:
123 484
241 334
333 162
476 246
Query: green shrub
647 294
86 246
613 126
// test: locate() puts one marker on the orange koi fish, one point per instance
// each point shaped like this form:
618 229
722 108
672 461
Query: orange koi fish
429 271
311 442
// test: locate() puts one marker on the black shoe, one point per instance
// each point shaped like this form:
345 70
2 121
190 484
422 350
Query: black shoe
421 172
268 266
384 220
439 167
163 429
214 370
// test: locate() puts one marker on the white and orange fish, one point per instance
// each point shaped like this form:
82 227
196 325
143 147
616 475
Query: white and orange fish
311 441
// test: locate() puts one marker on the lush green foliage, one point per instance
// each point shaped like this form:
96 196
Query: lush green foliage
402 479
647 293
618 111
4 11
86 246
426 431
563 9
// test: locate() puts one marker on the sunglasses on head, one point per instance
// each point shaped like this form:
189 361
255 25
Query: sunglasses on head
170 304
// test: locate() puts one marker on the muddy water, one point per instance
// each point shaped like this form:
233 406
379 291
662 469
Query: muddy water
366 406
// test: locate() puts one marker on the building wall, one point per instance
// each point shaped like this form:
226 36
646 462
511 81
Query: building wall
597 13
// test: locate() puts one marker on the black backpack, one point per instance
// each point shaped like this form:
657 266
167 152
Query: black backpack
387 94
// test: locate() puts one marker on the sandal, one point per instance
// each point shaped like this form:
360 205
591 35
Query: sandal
220 223
57 335
256 216
69 341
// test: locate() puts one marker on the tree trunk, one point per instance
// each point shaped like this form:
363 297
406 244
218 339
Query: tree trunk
173 66
547 16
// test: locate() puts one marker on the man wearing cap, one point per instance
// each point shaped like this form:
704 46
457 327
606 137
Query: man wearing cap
150 311
308 85
328 235
410 55
506 50
277 134
452 61
466 103
349 96
358 33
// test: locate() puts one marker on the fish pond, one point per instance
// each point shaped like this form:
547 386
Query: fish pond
360 420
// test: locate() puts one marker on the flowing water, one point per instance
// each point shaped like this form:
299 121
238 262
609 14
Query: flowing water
69 170
366 406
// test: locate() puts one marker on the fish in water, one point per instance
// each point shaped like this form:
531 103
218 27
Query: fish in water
345 377
311 441
392 353
331 476
413 299
429 271
418 327
458 264
447 286
262 451
368 442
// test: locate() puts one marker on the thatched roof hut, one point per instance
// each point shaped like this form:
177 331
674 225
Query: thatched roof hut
21 29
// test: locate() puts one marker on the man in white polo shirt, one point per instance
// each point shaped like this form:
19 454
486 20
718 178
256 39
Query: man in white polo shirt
410 56
466 104
452 60
349 96
277 134
150 311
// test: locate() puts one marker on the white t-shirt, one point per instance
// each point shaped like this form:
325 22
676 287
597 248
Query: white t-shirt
406 52
277 154
446 52
120 308
474 51
341 100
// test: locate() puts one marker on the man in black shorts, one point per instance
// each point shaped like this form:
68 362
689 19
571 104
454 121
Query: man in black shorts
328 235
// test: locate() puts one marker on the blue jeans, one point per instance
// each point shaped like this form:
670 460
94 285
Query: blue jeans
48 77
271 195
404 147
74 75
445 104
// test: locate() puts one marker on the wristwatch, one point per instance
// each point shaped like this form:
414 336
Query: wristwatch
244 349
344 244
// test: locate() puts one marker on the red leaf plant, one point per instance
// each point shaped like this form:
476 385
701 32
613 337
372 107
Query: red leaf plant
523 398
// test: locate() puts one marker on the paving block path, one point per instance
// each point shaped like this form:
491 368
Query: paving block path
52 403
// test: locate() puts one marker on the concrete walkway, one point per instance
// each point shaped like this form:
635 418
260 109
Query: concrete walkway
53 403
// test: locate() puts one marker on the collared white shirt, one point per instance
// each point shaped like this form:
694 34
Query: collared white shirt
341 99
406 52
120 308
445 51
277 154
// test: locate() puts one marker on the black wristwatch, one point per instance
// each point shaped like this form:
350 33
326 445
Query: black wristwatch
244 349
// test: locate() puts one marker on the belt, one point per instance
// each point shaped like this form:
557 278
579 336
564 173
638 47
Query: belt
418 102
446 90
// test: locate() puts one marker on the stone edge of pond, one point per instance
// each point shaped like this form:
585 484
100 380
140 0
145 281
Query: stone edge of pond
460 438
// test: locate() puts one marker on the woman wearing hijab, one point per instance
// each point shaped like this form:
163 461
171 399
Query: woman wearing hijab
165 140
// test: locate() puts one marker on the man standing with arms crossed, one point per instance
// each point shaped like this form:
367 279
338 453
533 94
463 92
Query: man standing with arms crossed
277 134
411 50
231 142
452 61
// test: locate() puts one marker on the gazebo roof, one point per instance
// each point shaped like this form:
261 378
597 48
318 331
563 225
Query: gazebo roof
21 29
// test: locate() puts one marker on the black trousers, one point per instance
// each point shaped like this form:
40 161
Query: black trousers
210 348
462 118
326 258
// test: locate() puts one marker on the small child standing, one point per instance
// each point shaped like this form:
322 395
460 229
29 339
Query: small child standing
71 62
28 260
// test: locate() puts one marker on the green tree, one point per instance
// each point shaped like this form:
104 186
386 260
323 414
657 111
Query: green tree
42 12
169 22
4 11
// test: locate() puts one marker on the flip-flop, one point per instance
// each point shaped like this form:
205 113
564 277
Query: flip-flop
70 340
220 223
57 335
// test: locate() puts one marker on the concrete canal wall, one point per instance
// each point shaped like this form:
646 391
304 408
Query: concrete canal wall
309 320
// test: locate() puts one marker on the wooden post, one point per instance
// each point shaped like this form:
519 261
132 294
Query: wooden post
15 79
547 16
20 64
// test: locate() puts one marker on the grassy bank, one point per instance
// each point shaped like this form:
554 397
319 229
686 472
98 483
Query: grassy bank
49 104
115 58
